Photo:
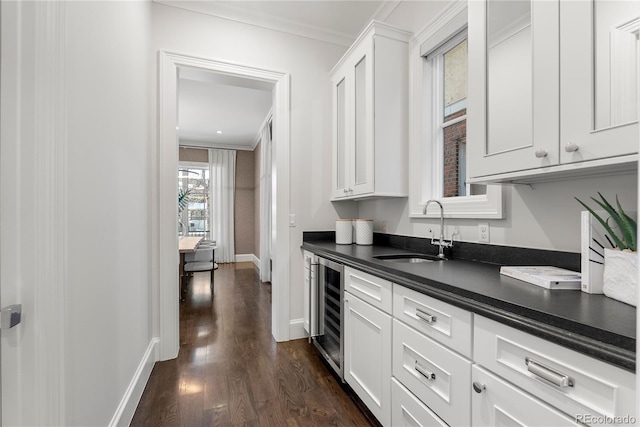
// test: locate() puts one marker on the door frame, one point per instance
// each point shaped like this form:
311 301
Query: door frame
164 212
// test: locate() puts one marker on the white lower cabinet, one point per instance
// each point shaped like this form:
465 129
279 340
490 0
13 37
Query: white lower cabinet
495 402
367 355
416 361
449 325
408 410
433 373
576 384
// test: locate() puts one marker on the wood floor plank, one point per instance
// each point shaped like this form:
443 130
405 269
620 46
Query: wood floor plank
231 372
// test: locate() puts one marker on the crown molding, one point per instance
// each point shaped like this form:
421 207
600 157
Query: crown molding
258 19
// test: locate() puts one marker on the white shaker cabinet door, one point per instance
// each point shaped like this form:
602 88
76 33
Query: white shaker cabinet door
340 86
513 115
598 79
367 355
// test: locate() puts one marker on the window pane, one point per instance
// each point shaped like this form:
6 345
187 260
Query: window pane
455 80
195 216
455 149
454 136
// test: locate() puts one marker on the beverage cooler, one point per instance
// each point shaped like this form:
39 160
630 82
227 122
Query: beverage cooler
323 316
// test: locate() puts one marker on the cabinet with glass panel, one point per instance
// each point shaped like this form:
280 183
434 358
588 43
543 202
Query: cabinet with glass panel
370 85
554 88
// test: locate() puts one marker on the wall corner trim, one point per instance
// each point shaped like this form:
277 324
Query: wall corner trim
129 402
296 329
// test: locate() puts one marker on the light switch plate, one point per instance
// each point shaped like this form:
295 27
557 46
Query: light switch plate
483 233
292 220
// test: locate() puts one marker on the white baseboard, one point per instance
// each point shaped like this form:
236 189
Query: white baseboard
296 329
129 403
248 258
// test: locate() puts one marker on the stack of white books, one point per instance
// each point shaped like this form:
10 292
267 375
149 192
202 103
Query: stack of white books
545 276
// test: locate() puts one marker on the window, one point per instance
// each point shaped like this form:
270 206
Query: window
194 218
438 139
446 71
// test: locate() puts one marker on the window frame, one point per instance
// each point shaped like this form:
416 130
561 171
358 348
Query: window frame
450 23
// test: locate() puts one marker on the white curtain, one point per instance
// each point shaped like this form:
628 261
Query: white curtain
265 204
222 184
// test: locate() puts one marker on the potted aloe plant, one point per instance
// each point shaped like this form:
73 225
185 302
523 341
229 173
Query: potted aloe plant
620 279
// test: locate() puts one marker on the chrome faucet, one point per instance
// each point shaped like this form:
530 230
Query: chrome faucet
441 242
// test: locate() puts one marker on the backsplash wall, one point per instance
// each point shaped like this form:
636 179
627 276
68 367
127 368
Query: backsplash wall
543 217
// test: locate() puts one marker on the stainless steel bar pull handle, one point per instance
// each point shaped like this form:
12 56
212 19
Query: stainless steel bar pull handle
429 318
422 371
549 374
310 300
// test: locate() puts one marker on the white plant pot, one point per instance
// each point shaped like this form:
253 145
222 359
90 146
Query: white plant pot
621 275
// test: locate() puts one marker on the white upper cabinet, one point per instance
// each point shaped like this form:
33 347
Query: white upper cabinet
552 88
599 49
370 85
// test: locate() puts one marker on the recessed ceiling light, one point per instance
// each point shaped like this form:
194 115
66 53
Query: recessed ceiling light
218 131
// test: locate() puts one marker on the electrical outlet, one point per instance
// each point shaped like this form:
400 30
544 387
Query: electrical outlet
383 226
483 233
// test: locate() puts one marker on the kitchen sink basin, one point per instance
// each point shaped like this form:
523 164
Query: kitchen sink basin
409 258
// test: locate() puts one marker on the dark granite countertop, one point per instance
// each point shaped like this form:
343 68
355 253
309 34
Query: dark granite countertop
591 324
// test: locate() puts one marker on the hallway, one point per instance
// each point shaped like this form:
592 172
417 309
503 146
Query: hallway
230 371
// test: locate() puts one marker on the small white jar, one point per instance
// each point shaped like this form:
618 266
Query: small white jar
364 231
344 232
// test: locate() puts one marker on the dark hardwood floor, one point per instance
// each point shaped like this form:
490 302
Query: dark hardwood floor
230 371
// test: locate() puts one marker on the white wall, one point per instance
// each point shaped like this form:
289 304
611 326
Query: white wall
75 236
543 217
108 291
308 62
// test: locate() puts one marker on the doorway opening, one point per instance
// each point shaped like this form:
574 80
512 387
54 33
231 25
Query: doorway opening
164 218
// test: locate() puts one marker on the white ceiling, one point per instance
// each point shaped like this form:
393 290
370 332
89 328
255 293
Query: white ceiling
238 107
209 103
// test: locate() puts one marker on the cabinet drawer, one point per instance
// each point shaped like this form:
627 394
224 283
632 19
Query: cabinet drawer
407 410
443 322
369 288
497 403
436 375
592 388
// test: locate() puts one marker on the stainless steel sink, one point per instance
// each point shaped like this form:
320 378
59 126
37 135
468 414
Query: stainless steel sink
409 258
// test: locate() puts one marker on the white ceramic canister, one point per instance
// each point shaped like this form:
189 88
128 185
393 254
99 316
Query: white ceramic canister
353 230
364 231
344 232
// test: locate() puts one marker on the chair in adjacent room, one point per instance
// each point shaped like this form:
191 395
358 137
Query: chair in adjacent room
200 260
